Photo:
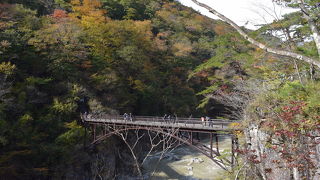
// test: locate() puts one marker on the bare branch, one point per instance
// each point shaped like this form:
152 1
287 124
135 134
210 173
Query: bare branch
153 145
155 140
124 138
237 100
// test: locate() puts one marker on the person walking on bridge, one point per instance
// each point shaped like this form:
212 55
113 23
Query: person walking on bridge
125 116
130 117
83 107
175 118
203 121
165 118
210 123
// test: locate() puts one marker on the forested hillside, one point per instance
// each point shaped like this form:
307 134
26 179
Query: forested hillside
125 56
147 57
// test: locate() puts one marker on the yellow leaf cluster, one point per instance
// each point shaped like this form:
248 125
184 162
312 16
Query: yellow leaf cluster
144 27
88 12
7 68
234 125
182 49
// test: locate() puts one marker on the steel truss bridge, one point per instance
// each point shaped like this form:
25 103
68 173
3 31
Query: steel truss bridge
181 129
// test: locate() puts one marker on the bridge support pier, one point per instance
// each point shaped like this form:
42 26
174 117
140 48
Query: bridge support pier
234 146
211 146
217 143
85 137
105 130
94 132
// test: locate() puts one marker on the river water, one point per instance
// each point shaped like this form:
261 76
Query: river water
185 162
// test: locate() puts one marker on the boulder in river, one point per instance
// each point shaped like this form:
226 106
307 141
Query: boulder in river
191 161
189 168
198 160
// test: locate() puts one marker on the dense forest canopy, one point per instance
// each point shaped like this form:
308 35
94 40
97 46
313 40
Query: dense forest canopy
126 56
148 57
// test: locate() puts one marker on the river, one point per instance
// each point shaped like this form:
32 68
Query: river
185 163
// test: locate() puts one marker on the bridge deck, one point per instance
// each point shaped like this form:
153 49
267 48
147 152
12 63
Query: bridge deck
151 121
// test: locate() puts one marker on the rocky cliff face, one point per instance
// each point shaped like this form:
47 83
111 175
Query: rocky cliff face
99 163
268 163
108 160
317 176
256 140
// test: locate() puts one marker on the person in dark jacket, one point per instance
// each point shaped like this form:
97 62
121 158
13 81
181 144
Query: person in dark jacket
83 107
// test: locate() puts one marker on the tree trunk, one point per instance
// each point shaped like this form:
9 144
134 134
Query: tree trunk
296 175
313 27
256 43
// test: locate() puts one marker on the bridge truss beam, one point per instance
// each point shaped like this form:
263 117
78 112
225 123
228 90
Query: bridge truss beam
102 131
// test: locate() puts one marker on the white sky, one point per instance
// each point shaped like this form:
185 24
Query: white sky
250 12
